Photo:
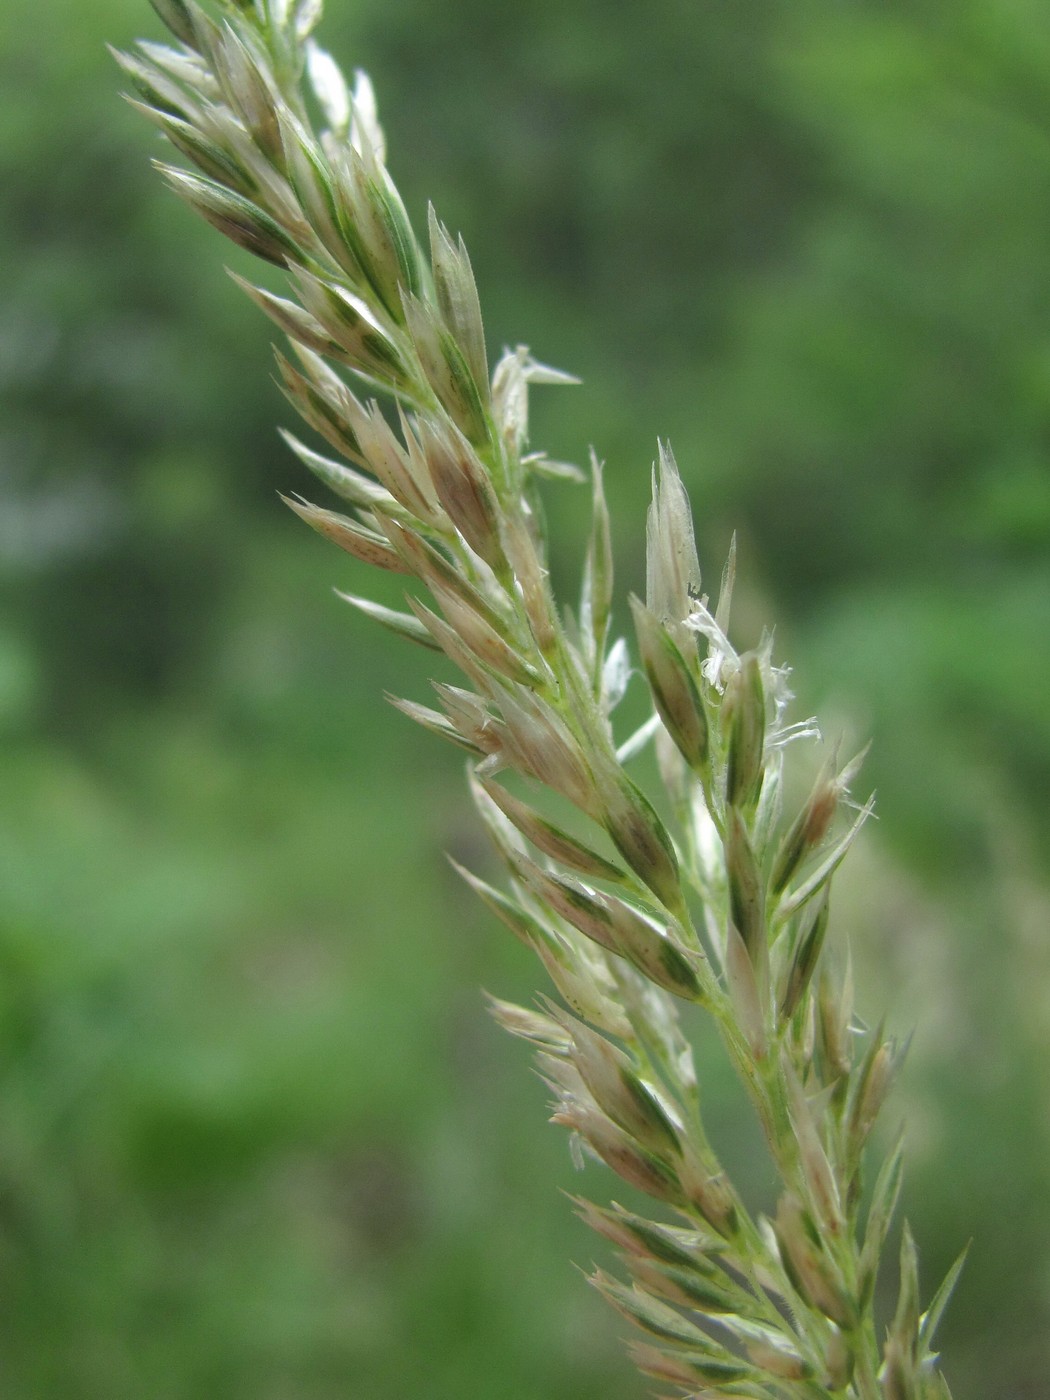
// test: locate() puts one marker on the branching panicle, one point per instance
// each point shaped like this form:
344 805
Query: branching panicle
728 909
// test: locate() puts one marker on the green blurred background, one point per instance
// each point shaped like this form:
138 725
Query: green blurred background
258 1137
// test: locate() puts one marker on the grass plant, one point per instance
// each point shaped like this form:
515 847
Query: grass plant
708 893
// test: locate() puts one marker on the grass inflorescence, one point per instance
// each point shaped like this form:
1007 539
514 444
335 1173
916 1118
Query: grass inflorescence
708 893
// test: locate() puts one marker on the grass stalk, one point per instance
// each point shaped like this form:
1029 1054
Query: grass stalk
726 907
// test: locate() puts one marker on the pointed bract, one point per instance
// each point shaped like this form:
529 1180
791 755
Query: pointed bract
672 569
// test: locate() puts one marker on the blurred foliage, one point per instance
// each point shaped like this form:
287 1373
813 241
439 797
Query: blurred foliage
257 1137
